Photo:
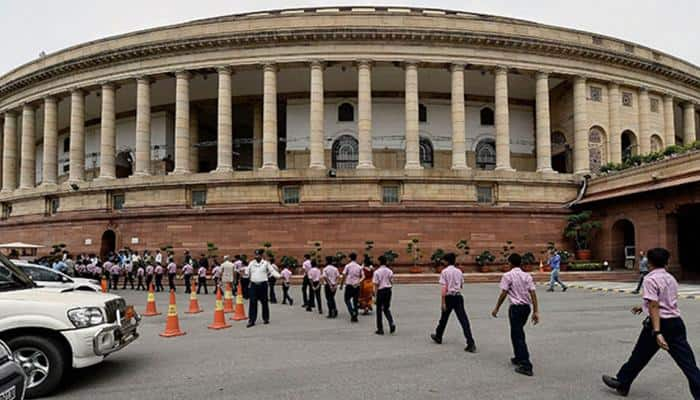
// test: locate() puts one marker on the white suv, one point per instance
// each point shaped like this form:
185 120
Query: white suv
50 331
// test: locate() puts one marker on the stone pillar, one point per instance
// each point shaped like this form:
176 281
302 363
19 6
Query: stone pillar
50 156
364 115
108 132
581 159
143 127
9 155
76 172
257 135
182 123
615 134
689 135
543 133
644 128
412 124
316 131
224 154
27 175
669 121
502 120
459 149
194 140
269 117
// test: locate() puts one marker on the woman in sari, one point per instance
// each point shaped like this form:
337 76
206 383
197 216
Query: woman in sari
366 288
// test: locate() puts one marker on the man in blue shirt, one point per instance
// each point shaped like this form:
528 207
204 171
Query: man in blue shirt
643 270
555 262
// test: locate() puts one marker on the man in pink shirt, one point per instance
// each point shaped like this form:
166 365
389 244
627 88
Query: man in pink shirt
172 271
330 280
159 277
286 281
382 280
306 283
150 270
140 272
187 271
202 280
115 271
662 329
352 278
519 287
451 282
314 275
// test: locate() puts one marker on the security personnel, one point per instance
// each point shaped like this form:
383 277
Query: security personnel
306 283
259 271
452 280
351 280
330 281
172 271
129 274
187 271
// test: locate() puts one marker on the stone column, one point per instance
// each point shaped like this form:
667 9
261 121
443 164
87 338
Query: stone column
412 124
224 155
669 121
543 133
194 139
9 155
581 159
76 172
27 175
644 128
269 117
316 131
182 123
459 149
108 132
689 135
364 115
143 127
502 120
615 134
257 135
50 156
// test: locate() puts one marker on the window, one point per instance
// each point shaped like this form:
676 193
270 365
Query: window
486 154
346 112
345 152
41 275
290 195
627 99
596 94
66 145
390 194
629 48
426 153
422 113
597 149
6 210
52 205
487 117
199 198
656 143
654 105
484 194
118 201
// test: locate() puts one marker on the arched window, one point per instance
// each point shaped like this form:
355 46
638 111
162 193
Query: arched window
422 113
346 112
487 116
561 154
426 153
597 149
345 152
629 145
657 144
486 154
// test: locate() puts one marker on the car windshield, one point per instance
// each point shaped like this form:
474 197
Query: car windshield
11 277
39 274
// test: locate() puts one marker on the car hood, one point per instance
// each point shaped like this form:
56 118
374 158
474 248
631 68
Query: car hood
67 297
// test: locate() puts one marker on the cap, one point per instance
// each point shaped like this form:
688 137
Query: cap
258 252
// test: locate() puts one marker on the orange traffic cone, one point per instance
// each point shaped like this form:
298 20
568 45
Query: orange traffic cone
151 304
219 317
104 284
228 299
172 324
239 313
194 303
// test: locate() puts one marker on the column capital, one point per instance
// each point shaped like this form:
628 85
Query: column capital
501 69
580 78
644 89
410 64
224 69
28 106
9 113
668 96
542 74
49 98
317 63
108 85
183 74
613 85
689 103
144 79
77 91
364 63
457 67
270 66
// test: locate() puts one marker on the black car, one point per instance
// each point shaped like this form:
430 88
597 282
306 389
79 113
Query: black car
12 378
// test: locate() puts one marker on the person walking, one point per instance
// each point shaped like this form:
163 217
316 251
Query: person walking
286 283
383 282
115 271
187 271
643 270
128 267
260 271
172 271
216 275
150 271
519 287
159 277
555 263
272 280
315 288
228 274
351 281
663 329
140 272
367 286
202 281
330 276
452 282
305 283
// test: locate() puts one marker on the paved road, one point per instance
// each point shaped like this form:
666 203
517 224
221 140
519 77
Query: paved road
304 356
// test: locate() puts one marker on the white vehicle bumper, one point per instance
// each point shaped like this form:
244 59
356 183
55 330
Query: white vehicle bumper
91 345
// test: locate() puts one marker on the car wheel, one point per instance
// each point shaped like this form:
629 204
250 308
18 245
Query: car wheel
42 360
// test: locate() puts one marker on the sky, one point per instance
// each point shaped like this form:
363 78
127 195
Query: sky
30 27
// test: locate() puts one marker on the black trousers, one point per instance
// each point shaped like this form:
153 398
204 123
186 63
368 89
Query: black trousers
171 281
202 284
285 294
273 297
149 280
518 315
115 282
159 283
330 300
384 307
245 287
305 292
641 280
674 332
130 279
258 292
455 303
188 283
315 298
352 299
140 285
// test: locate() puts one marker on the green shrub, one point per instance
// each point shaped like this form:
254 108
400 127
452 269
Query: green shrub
586 266
673 149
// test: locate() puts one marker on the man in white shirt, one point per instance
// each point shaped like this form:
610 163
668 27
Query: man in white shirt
259 271
159 257
227 273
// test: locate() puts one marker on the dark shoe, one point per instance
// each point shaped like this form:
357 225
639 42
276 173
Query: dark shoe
515 361
613 383
471 348
435 338
308 309
329 316
378 332
524 371
320 312
266 322
550 290
635 292
250 325
564 290
392 329
291 302
354 319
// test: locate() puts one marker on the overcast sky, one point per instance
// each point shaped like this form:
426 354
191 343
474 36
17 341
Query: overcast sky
29 27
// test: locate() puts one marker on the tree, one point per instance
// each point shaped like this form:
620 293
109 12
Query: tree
581 229
211 249
414 251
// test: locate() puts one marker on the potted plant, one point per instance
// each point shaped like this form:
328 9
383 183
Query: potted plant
528 260
289 262
581 229
391 256
369 245
316 253
484 260
339 258
436 258
463 247
414 251
506 251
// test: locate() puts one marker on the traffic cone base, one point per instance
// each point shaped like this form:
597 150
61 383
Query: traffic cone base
239 313
172 324
219 317
151 304
228 299
194 303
